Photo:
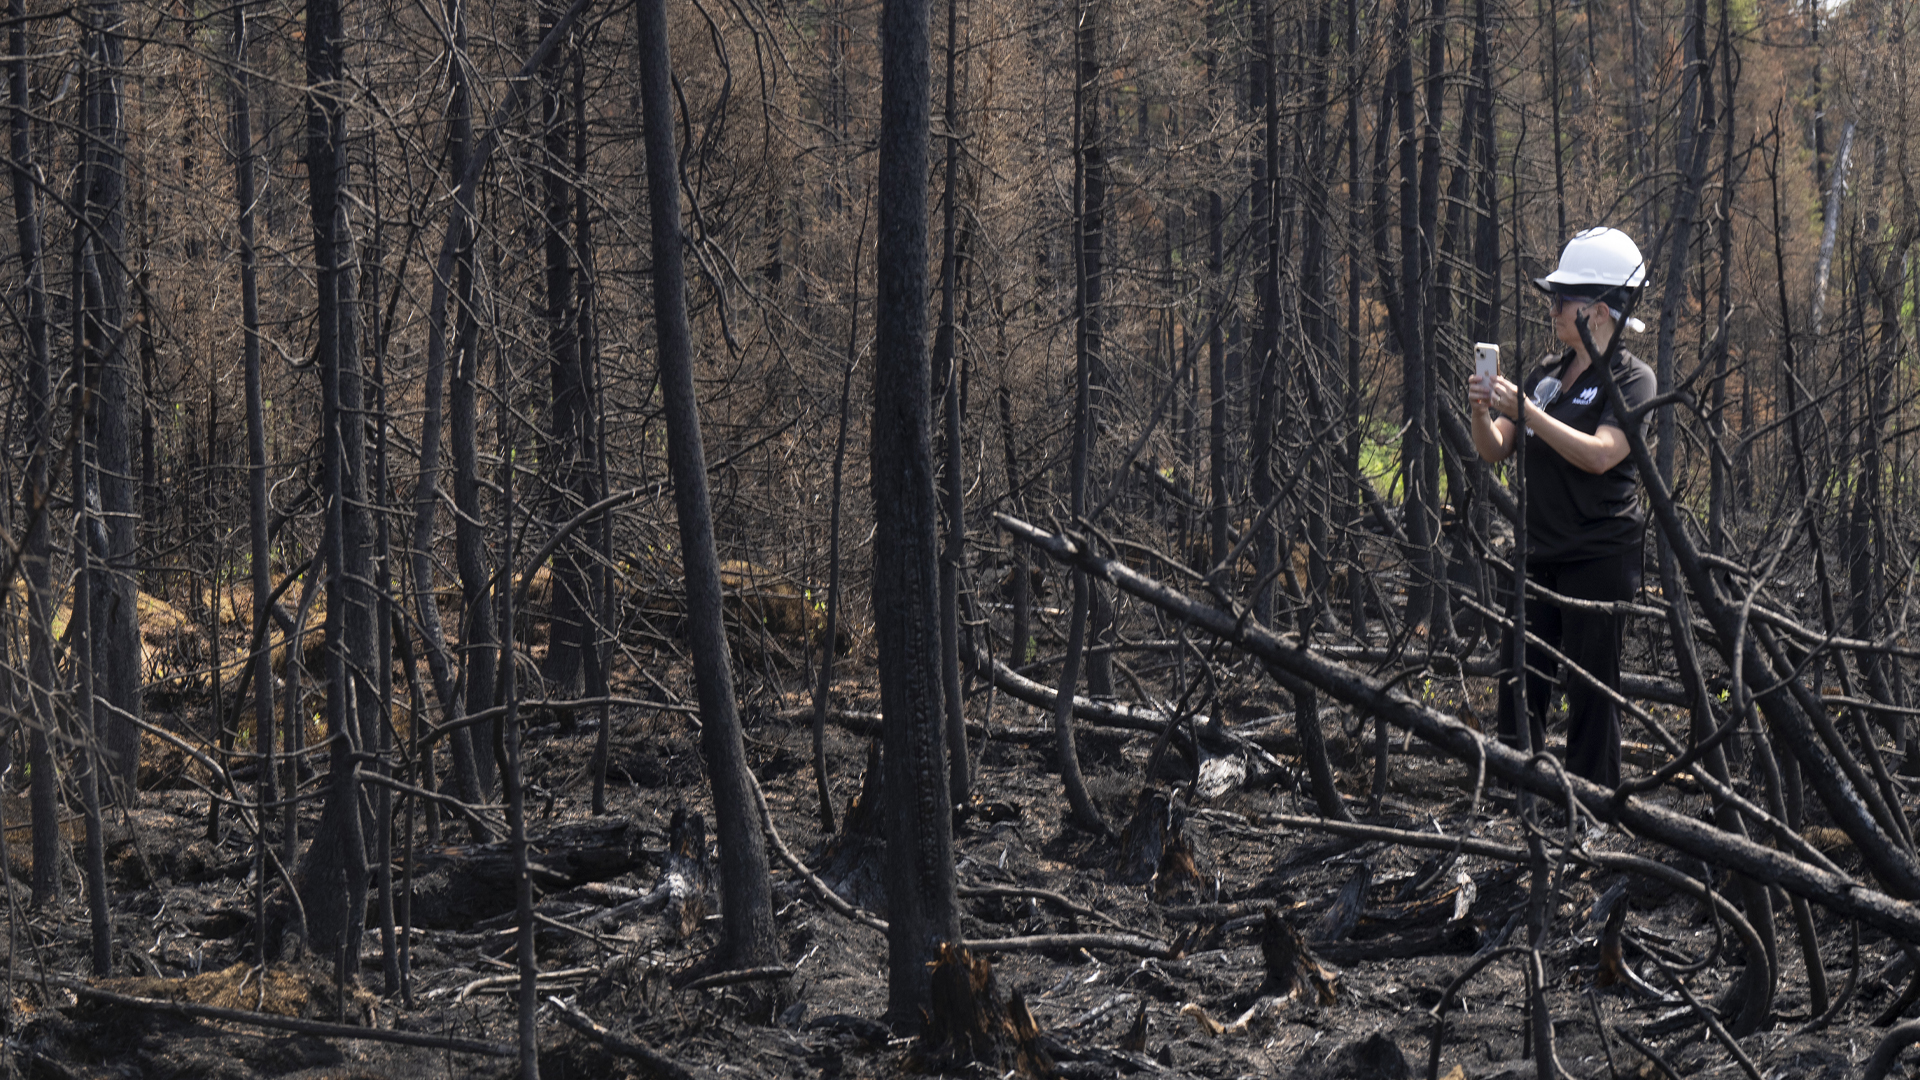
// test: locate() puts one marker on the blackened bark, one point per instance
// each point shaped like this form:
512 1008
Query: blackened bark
946 366
1090 347
453 280
333 876
379 725
745 897
115 627
479 637
527 996
1410 323
1423 495
1018 586
823 693
1089 254
570 429
599 651
90 549
1351 482
921 906
1263 100
37 555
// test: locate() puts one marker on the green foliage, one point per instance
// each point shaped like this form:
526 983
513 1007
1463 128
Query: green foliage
1380 462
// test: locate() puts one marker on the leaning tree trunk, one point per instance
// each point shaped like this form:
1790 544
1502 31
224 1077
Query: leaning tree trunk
746 904
922 910
452 283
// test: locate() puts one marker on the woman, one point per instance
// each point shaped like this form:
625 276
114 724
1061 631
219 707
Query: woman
1584 522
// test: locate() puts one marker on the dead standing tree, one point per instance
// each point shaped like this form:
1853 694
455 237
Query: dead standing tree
922 910
746 904
38 553
333 875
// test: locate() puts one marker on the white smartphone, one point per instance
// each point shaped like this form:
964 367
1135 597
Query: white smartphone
1486 361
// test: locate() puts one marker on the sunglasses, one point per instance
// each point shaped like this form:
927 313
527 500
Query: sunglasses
1556 301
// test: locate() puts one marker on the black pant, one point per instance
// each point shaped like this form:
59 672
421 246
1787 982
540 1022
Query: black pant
1589 639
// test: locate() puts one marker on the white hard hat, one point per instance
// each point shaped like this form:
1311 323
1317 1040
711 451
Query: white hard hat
1602 259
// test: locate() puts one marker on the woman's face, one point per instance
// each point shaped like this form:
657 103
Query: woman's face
1567 309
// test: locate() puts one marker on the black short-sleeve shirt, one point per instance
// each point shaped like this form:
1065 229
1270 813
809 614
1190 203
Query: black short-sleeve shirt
1573 514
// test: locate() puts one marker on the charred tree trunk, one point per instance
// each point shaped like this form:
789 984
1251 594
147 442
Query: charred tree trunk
1417 461
1263 101
1089 253
479 637
90 550
1018 587
115 628
1351 481
1090 346
745 895
37 555
921 906
600 644
333 876
453 279
947 368
570 428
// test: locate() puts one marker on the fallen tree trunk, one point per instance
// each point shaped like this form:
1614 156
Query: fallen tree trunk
457 887
1294 666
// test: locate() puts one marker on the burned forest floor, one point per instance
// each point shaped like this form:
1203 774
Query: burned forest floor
1183 891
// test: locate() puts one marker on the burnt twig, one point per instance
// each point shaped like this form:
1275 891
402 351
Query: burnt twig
652 1059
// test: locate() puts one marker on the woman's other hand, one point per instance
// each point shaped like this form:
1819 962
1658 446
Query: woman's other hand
1499 396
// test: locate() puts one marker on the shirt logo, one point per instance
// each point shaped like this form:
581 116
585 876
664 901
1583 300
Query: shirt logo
1585 397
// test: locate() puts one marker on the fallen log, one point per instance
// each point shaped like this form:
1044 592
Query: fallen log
1121 943
460 886
285 1023
1299 667
1122 715
1458 938
653 1059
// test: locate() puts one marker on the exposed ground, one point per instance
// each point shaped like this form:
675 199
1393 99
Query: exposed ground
182 909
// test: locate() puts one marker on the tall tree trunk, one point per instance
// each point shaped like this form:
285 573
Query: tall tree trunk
822 697
922 910
1263 101
452 282
90 551
37 556
115 625
1351 480
1018 585
1416 446
746 904
471 690
599 644
333 875
479 636
1091 185
947 368
570 430
512 779
1090 315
